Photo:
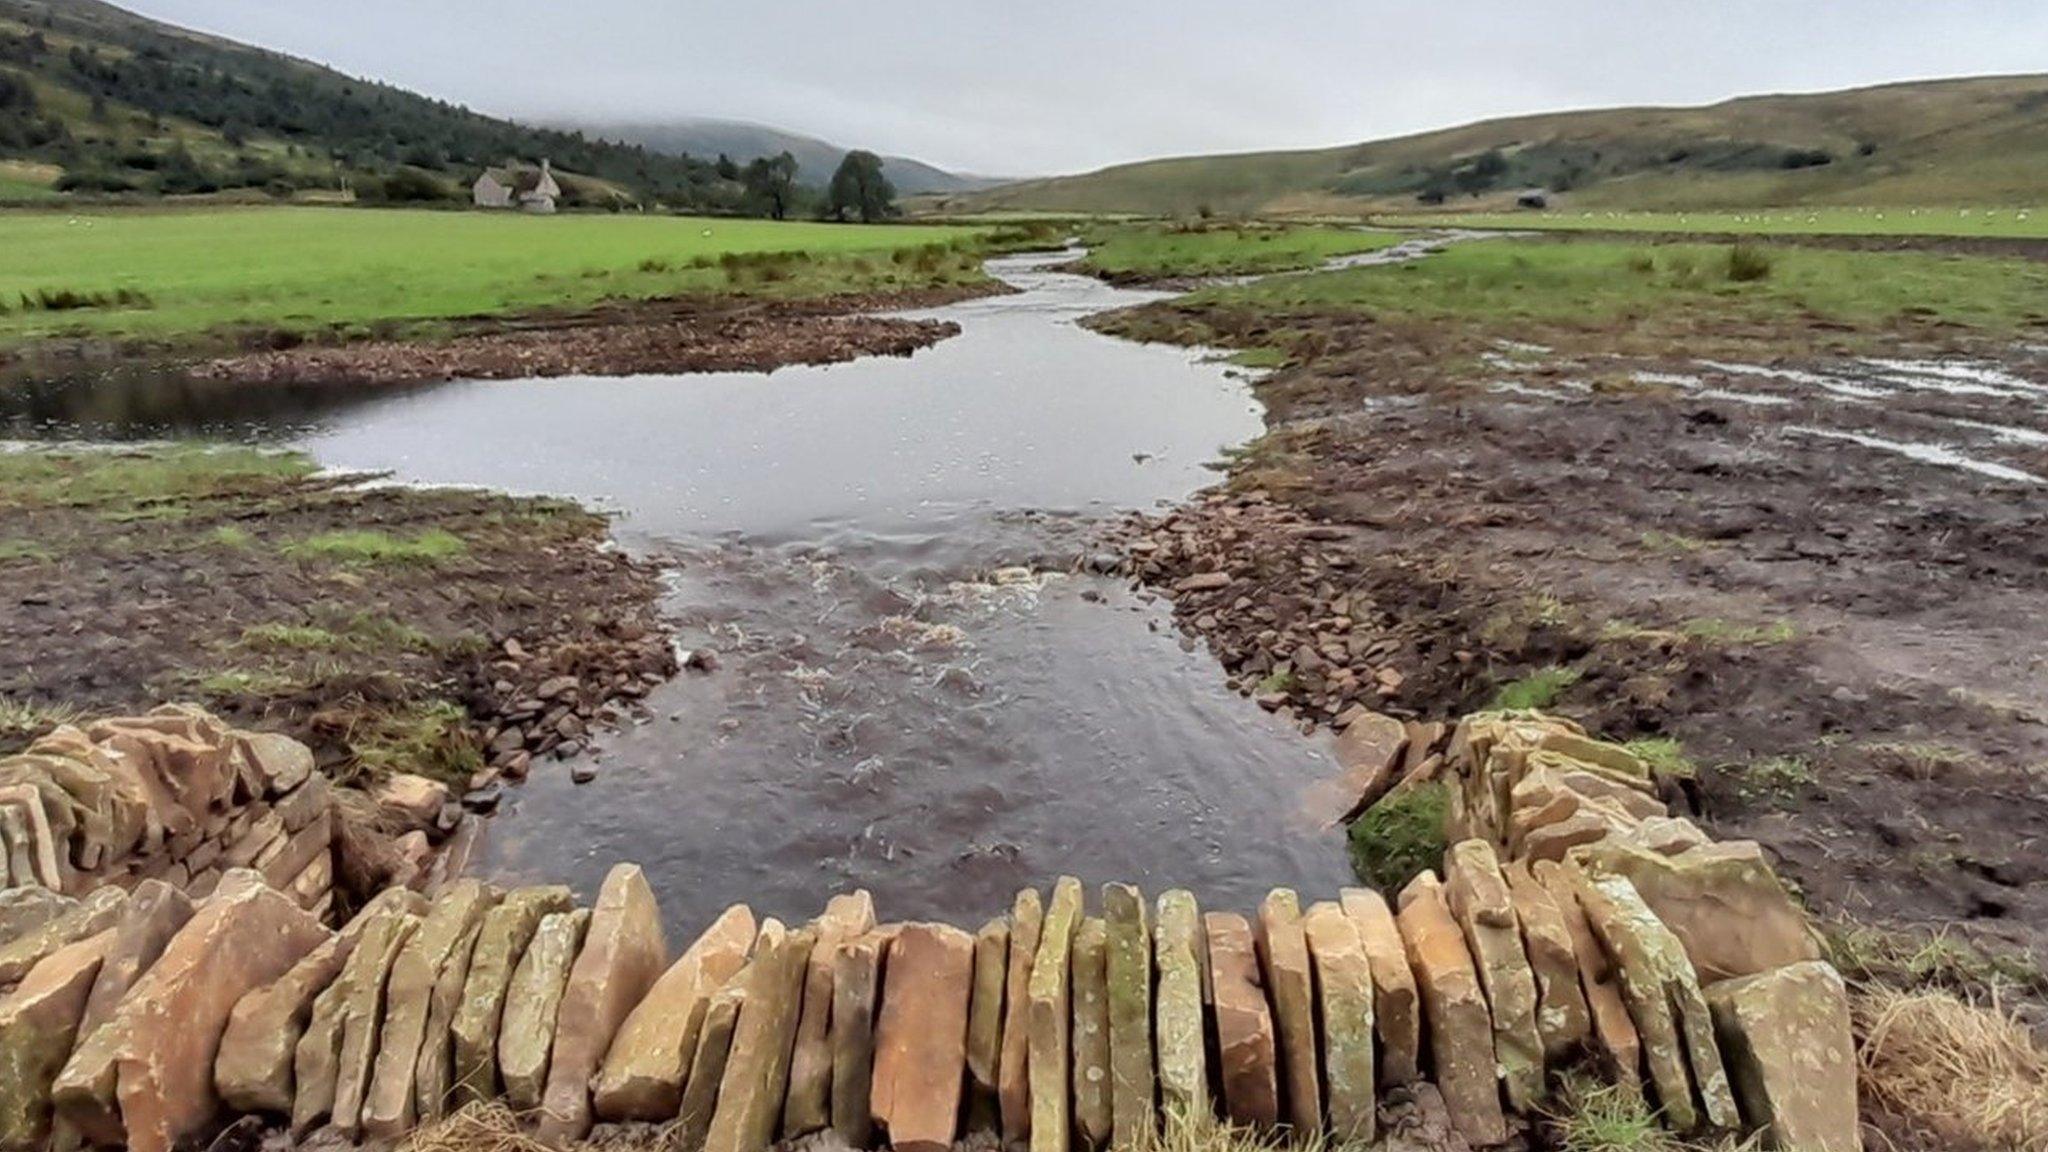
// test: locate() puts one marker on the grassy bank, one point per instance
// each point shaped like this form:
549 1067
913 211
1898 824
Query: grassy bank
179 273
1158 251
1981 223
369 622
1524 284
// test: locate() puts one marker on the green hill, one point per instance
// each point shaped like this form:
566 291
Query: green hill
1969 141
95 99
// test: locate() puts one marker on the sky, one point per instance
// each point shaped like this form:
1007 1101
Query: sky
1030 87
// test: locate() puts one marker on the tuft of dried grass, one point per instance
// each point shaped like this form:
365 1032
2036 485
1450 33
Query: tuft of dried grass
493 1127
1969 1074
365 844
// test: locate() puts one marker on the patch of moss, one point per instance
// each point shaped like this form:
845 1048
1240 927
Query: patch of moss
1400 837
1539 689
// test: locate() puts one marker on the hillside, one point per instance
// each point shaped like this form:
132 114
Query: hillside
97 99
816 159
1969 141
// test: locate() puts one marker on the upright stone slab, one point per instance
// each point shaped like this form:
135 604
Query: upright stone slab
921 1038
1129 965
526 1033
333 1062
155 913
434 1080
985 1026
1397 1013
171 1022
390 1108
1613 1033
856 987
1051 1021
1562 1017
1484 910
500 943
1460 1030
808 1107
1246 1048
642 1076
714 1045
89 917
1722 901
1092 1119
623 955
1027 918
1791 1054
253 1071
1664 998
1344 996
1177 1030
757 1069
38 1025
1283 951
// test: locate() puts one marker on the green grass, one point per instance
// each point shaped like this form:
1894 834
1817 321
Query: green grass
1519 284
358 632
1941 959
15 549
1539 689
1400 837
362 546
126 486
304 269
1994 223
1776 780
431 739
1665 756
1223 250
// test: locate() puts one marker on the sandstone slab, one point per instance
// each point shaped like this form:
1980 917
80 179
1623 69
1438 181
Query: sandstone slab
38 1025
89 917
642 1076
1721 900
1665 1002
390 1108
623 954
1090 1031
1484 909
434 1077
714 1046
856 987
1371 751
985 1026
1050 1020
332 1062
1460 1028
921 1038
526 1029
1612 1033
1128 967
155 913
1245 1040
757 1069
1397 1012
1283 952
1562 1017
170 1025
1792 1056
1013 1073
22 910
253 1071
1178 1034
500 943
1344 1002
809 1104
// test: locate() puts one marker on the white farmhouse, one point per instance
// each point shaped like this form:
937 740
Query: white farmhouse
517 186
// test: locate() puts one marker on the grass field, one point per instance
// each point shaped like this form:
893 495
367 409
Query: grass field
1990 223
1603 281
1160 250
180 272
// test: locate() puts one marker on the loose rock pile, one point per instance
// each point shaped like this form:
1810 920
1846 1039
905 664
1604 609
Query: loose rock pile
175 796
146 1020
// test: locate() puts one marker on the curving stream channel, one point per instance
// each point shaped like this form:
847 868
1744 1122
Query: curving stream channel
912 693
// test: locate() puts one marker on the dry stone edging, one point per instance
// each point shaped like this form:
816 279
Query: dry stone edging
1081 1026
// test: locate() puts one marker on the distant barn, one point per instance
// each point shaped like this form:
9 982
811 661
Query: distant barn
518 186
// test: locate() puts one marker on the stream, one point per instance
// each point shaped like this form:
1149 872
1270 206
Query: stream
913 691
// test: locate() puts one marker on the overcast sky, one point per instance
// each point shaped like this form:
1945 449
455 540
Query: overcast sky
1011 87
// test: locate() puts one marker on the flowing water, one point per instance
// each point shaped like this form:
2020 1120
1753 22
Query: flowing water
913 691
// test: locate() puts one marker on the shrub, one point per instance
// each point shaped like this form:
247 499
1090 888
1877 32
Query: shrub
1747 263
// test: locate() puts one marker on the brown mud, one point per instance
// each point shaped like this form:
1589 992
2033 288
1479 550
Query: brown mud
267 598
1846 642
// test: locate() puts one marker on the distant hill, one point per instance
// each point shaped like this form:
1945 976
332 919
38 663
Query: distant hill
94 99
1967 141
816 159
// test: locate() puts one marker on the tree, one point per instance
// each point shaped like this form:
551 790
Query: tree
859 187
771 185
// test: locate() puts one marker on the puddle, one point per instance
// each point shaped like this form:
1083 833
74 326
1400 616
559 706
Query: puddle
1835 385
1925 453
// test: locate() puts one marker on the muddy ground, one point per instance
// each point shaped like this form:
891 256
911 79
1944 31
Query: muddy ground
390 628
1849 643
